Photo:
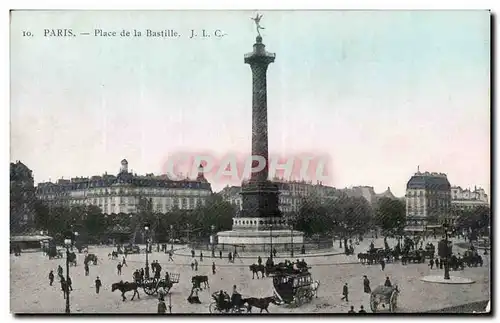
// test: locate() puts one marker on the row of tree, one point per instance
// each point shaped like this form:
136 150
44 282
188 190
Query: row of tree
93 226
344 216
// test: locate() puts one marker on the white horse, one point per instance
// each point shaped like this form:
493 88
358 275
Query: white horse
314 287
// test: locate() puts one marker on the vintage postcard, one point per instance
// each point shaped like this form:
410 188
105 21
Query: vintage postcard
234 162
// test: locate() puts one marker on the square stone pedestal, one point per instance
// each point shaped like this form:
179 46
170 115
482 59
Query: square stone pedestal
260 240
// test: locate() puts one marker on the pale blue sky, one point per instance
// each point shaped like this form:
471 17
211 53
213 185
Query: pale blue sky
379 91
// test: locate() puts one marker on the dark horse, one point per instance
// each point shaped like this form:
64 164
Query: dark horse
256 269
113 255
126 287
262 303
197 280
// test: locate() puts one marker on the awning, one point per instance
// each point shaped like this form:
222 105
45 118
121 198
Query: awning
29 238
414 229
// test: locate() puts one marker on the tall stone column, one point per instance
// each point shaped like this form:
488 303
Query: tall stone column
259 60
259 195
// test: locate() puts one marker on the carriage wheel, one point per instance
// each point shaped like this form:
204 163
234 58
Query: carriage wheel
149 288
213 307
373 304
393 302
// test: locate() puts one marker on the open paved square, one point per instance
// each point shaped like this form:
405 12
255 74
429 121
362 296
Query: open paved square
31 293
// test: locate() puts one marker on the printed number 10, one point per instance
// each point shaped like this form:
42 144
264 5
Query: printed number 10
27 33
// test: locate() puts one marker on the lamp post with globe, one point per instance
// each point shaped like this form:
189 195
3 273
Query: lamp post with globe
146 230
68 242
445 250
271 235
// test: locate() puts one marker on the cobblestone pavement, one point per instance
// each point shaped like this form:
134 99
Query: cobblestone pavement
31 293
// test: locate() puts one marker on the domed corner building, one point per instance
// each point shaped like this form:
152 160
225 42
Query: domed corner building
428 203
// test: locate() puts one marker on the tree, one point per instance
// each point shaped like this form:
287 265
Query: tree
476 219
390 214
313 217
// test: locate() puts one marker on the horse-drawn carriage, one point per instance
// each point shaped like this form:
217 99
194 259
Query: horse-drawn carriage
414 256
226 304
129 249
374 256
151 285
386 296
294 289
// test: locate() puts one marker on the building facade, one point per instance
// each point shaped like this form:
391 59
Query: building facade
291 194
467 199
368 192
22 198
121 193
428 200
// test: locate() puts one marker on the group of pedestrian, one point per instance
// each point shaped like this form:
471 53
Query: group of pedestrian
439 264
361 310
67 284
366 289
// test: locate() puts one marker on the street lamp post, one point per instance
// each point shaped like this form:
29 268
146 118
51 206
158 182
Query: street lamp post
291 238
172 235
446 266
146 229
271 234
212 240
68 242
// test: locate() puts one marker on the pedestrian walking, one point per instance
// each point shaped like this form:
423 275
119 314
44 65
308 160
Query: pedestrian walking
220 254
213 268
382 263
201 255
141 274
51 277
86 269
192 265
361 310
196 265
345 293
274 252
98 285
259 261
431 263
387 282
351 311
170 256
366 285
162 307
124 262
192 253
119 268
437 263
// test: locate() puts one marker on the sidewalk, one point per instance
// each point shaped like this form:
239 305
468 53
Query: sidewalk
186 252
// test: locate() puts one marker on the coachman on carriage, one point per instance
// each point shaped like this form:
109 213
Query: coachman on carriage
386 296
